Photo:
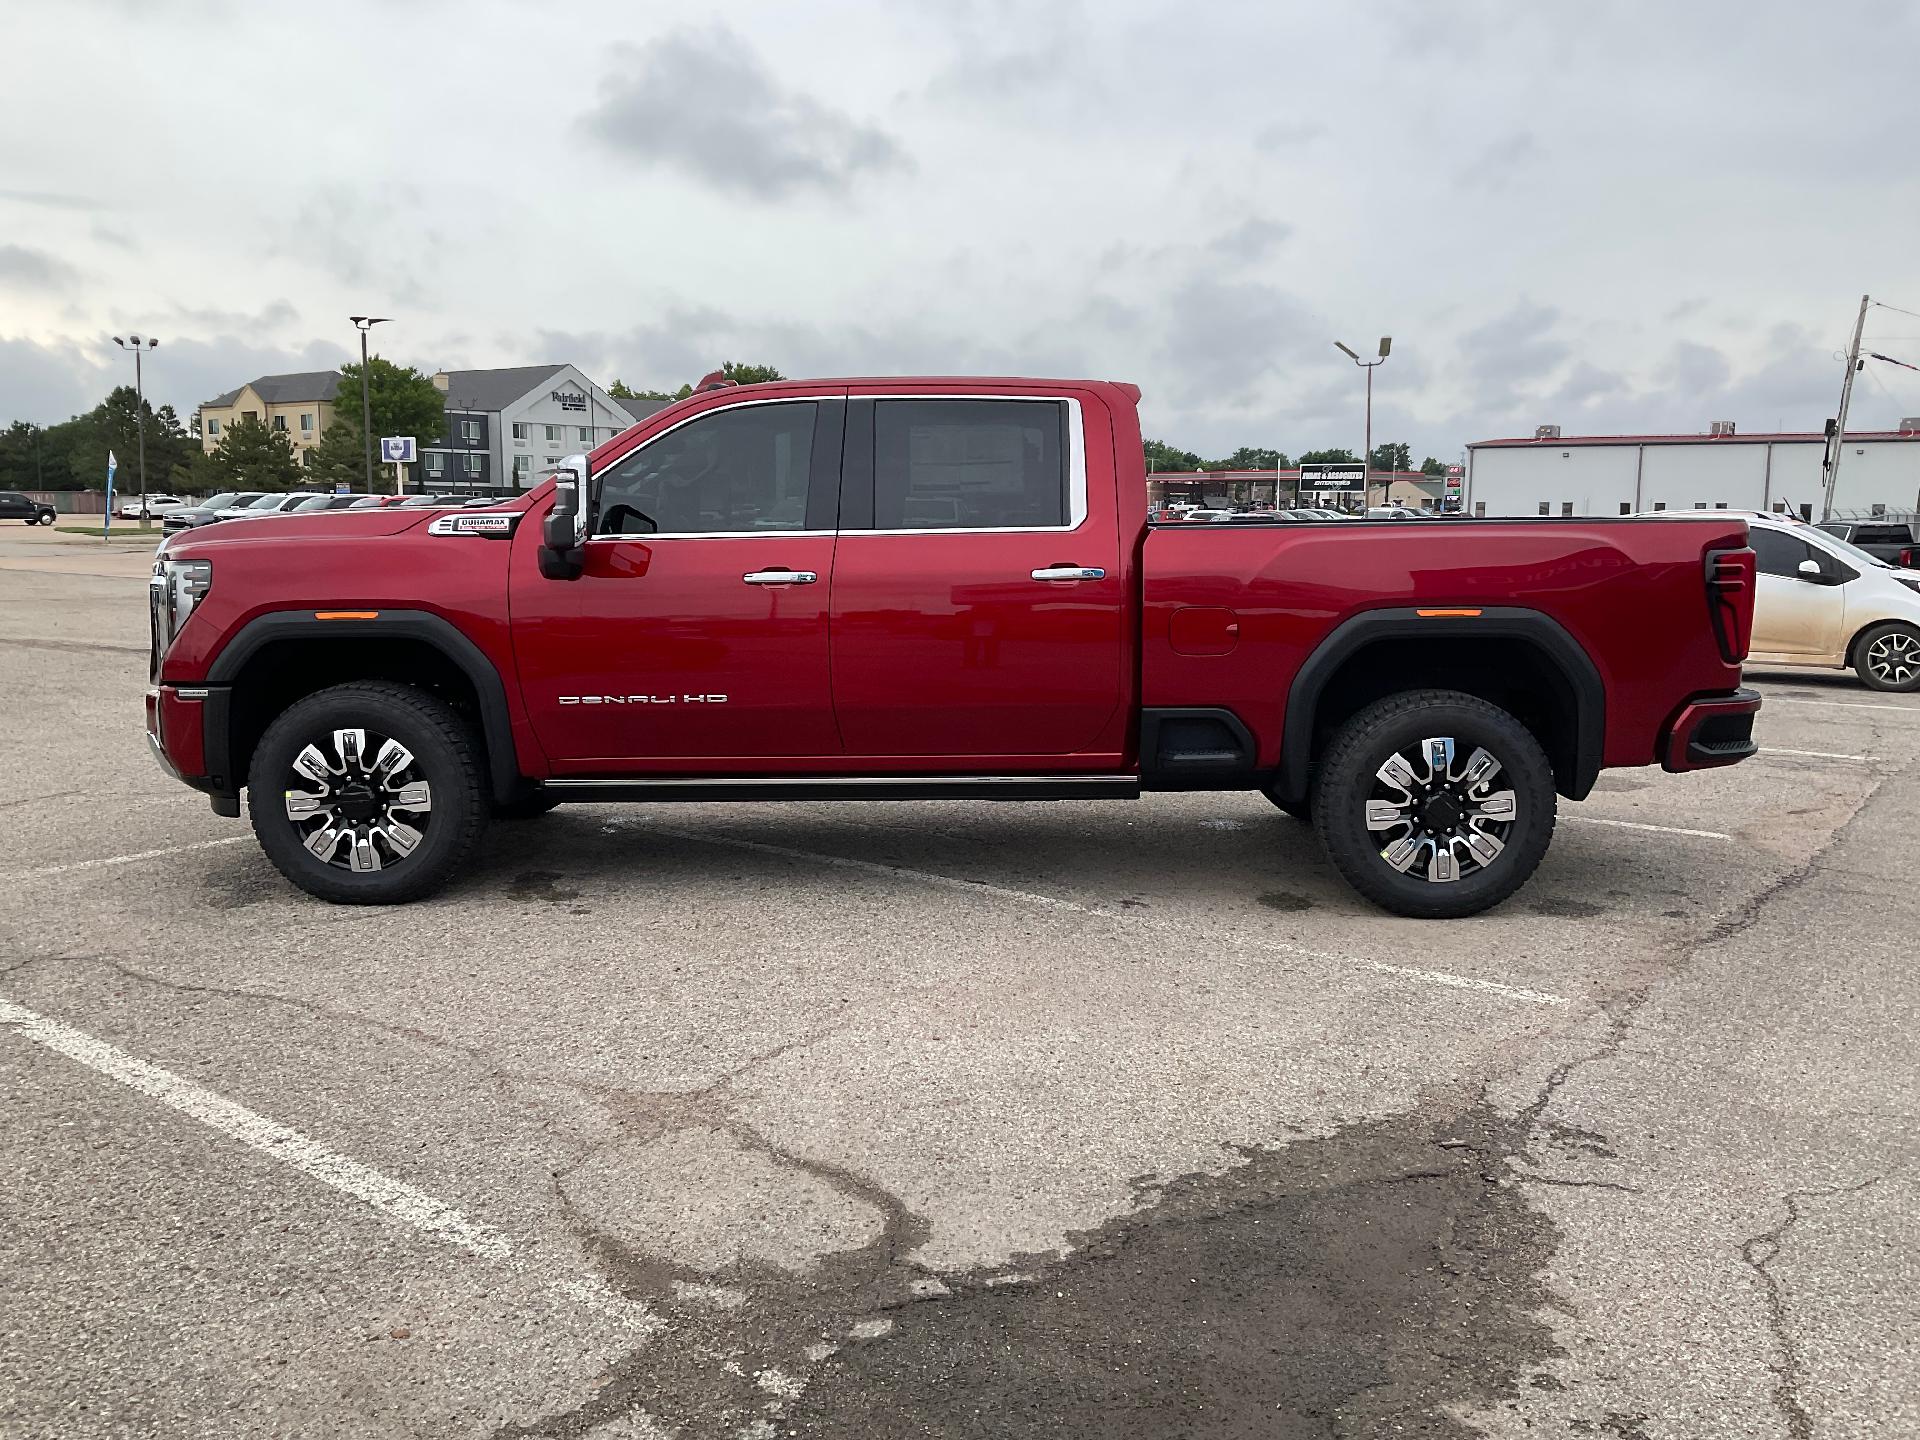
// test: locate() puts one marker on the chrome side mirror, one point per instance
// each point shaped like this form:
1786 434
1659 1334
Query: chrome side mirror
563 536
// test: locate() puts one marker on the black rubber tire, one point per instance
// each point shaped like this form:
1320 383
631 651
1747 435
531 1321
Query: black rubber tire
1865 643
1346 776
447 753
1301 810
529 803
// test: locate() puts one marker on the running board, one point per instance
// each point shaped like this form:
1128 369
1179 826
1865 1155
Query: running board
849 787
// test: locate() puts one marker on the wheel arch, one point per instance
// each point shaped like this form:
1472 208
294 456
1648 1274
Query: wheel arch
283 656
1520 659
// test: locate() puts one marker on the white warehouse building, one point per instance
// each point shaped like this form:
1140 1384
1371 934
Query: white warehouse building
1553 474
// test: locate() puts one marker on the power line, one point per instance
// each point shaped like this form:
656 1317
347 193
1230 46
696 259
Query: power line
1882 305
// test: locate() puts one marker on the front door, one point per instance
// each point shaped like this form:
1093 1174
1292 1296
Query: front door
696 639
1795 613
979 599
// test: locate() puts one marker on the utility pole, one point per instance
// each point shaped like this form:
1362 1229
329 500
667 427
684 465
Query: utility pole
139 348
364 323
1838 440
1366 458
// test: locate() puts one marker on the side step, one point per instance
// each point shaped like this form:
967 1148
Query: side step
848 787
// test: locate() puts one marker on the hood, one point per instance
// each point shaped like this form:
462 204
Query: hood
209 540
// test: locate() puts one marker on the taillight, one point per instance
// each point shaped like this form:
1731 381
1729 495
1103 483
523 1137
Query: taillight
1906 558
1730 601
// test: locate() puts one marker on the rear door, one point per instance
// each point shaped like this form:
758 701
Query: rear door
696 639
979 597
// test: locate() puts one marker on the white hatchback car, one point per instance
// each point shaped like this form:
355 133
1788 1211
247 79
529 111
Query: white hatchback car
1820 601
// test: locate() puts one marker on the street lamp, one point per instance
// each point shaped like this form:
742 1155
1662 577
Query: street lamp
139 348
364 323
1366 475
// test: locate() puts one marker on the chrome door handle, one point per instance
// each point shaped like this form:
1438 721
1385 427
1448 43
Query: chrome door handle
780 577
1070 572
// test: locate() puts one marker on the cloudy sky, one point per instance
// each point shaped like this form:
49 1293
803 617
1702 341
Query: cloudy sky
1615 216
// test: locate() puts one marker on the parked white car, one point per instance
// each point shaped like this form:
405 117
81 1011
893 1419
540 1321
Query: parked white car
1819 601
269 505
154 505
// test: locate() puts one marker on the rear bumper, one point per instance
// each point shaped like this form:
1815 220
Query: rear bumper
1711 731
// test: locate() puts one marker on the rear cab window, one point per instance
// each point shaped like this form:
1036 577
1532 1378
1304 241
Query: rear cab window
971 464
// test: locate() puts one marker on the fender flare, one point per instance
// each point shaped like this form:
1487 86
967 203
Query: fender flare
1541 631
496 719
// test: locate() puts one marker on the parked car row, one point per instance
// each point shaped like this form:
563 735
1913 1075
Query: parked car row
254 504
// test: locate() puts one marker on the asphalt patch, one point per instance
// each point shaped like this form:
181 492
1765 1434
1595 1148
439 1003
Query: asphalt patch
1376 1282
1280 900
1566 908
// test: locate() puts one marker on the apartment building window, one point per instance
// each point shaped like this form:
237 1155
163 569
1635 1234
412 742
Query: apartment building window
522 467
553 434
586 434
306 424
249 414
1566 507
553 459
1545 509
472 463
1626 507
1659 504
470 431
521 430
280 423
436 463
213 426
1479 509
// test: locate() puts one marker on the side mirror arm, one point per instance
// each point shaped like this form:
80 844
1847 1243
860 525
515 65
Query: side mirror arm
563 535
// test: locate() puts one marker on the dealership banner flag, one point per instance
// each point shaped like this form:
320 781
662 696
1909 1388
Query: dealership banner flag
106 525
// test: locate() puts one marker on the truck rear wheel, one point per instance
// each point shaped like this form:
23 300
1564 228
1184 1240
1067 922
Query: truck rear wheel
1434 803
367 794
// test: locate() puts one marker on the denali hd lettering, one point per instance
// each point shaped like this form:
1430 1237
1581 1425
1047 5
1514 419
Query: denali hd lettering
924 589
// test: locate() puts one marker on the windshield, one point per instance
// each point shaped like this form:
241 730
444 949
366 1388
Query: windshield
220 502
1851 552
323 502
267 502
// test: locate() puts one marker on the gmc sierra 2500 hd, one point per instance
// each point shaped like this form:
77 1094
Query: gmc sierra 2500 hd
927 588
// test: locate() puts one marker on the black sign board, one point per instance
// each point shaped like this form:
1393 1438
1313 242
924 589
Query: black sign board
1346 479
570 400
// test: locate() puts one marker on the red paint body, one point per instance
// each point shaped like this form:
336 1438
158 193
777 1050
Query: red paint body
936 653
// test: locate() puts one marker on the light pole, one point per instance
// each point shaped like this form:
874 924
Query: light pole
364 323
139 348
1366 458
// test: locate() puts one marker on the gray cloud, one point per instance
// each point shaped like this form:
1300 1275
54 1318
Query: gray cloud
24 269
1497 166
1287 135
702 103
1251 240
49 200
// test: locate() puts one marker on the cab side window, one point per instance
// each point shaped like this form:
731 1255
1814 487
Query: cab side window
969 464
733 471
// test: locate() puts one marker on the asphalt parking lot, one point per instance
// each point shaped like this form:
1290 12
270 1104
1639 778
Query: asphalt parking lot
949 1119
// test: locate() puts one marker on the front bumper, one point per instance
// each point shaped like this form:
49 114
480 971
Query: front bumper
186 731
1710 731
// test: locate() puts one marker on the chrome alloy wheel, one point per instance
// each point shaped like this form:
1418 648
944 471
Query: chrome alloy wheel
1894 658
354 820
1439 818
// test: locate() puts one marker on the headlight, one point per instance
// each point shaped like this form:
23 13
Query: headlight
176 588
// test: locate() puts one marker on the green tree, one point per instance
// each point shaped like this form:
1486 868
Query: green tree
252 457
1329 457
738 373
1162 456
1431 466
1248 457
1392 456
23 458
403 401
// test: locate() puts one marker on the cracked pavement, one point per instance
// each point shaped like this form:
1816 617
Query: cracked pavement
958 1119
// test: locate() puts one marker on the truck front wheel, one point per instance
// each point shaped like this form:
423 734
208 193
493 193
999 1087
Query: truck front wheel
367 794
1434 803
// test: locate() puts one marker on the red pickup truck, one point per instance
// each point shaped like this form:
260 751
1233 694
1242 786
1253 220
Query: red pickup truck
930 588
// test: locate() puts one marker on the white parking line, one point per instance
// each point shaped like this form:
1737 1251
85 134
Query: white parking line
46 870
391 1197
1657 829
1055 902
1845 705
1766 750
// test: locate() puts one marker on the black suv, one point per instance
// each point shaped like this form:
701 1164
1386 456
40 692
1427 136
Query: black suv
1893 541
15 506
